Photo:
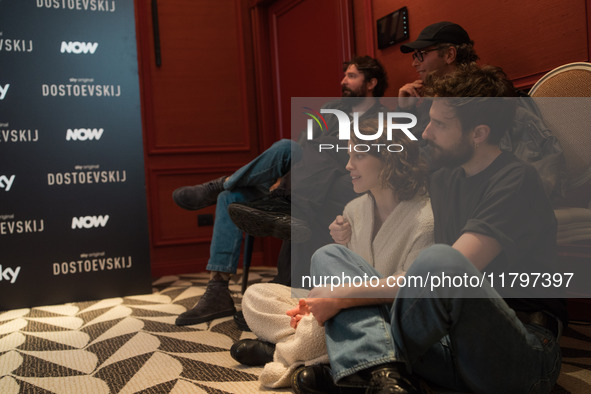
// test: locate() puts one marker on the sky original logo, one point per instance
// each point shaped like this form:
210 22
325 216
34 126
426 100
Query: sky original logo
78 48
86 222
6 182
4 90
345 126
9 274
84 134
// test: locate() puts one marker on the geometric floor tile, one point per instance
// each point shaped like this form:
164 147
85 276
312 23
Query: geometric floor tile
128 325
69 384
75 339
126 345
131 345
160 368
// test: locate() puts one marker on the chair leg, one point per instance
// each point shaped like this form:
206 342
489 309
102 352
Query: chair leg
248 241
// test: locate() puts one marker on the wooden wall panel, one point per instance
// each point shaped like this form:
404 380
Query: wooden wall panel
199 117
230 67
183 229
364 25
527 38
309 41
222 95
198 94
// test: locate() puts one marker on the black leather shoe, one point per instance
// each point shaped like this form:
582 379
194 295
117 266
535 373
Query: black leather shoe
200 196
269 217
216 302
253 352
392 378
317 379
241 321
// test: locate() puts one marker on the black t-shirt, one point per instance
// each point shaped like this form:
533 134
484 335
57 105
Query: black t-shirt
505 201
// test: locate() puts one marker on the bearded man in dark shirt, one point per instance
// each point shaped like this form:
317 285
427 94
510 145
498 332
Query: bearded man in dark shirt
492 218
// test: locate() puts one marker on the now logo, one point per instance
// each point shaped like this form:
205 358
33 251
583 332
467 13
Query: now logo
78 48
89 222
84 134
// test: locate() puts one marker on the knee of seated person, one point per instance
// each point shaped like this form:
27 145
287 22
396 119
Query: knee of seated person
228 197
251 292
225 196
322 256
289 147
439 259
283 145
250 296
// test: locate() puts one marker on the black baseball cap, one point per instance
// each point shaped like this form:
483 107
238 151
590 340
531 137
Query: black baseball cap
438 33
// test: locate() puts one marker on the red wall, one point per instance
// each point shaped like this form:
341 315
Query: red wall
229 68
199 116
526 38
309 41
221 96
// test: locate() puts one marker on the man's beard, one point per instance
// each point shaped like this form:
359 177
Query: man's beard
359 93
450 158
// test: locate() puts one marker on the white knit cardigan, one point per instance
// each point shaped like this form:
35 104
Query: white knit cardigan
405 232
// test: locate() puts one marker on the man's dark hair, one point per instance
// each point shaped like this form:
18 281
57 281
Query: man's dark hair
370 68
472 85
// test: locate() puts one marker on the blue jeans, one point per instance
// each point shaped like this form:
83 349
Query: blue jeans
467 344
250 182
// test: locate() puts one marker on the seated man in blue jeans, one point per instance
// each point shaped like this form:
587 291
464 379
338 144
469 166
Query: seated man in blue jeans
491 217
364 81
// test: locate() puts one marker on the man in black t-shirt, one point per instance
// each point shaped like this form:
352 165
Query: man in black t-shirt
492 219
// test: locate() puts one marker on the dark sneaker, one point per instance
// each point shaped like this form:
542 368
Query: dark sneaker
196 197
317 379
216 302
393 378
253 352
269 217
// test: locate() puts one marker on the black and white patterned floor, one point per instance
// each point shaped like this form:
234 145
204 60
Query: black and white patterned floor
125 345
131 345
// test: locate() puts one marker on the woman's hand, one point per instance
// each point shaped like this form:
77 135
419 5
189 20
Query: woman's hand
340 230
322 307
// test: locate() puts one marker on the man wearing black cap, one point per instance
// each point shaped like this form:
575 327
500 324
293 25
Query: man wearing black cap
440 48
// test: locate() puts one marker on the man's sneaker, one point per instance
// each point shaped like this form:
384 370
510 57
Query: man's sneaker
392 378
216 302
269 217
200 196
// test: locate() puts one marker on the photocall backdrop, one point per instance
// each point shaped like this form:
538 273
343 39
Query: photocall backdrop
73 219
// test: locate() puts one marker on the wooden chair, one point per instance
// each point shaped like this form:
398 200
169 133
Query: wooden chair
569 118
